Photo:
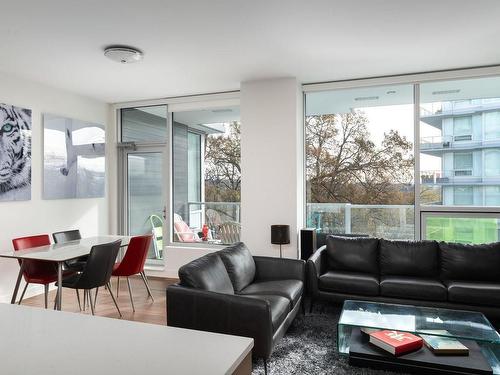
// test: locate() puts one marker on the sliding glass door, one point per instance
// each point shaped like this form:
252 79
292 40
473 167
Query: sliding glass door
145 198
144 175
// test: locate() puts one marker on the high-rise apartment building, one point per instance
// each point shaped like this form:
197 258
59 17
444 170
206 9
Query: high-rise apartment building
468 146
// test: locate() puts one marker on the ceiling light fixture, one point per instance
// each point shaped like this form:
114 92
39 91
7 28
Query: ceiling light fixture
123 54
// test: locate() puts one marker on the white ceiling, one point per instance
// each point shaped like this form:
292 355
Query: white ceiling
200 46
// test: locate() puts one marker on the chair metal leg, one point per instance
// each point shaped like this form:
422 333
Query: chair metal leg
130 293
22 294
117 286
84 300
114 300
95 298
145 279
78 298
311 303
46 290
265 366
91 302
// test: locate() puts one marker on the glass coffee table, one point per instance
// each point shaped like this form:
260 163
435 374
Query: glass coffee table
465 325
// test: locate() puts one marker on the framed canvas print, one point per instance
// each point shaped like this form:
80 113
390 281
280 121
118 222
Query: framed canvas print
74 158
15 153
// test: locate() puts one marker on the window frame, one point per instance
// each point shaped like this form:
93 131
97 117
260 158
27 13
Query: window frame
173 104
416 79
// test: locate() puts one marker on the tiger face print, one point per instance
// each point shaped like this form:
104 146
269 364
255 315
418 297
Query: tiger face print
15 147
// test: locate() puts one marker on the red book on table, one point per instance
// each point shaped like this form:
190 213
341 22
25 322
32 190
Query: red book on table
396 342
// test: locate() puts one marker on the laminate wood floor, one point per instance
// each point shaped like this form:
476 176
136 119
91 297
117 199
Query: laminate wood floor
146 310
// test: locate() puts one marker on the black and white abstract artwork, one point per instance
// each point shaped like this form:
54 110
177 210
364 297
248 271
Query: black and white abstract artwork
15 153
74 158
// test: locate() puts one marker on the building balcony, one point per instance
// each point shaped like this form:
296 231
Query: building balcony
457 177
438 144
433 113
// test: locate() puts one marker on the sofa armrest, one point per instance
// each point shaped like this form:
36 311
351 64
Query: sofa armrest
270 268
221 313
315 268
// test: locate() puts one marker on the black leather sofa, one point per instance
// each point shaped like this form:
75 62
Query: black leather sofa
232 292
427 273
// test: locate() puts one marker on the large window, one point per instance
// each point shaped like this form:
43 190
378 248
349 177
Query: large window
359 161
463 163
206 176
492 125
462 128
360 164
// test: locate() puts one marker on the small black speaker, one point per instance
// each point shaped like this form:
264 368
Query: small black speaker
307 242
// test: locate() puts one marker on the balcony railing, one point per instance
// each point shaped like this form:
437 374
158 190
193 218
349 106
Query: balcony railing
463 176
222 219
388 221
458 107
456 142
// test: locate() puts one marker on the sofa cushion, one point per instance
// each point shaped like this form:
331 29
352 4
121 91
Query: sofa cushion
352 254
290 289
349 283
474 293
413 288
279 307
470 262
239 265
206 273
409 258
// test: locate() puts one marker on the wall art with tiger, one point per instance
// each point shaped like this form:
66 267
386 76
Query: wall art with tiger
15 153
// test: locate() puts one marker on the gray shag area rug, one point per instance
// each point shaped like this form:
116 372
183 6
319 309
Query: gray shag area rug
310 347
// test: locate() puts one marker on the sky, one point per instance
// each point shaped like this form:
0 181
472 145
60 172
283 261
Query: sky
383 119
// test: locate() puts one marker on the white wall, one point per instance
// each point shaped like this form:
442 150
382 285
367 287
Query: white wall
46 216
271 163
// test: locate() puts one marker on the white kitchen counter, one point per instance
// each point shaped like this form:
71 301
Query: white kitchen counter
39 341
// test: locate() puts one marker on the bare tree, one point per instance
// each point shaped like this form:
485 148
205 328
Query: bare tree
345 166
222 166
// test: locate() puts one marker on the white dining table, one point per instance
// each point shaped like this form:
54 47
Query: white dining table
58 253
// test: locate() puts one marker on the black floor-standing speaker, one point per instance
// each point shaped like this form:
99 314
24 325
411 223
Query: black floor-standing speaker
307 242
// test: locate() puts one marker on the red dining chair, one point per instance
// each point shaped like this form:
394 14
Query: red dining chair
36 271
133 262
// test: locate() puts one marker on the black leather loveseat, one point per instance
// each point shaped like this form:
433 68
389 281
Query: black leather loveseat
428 273
231 291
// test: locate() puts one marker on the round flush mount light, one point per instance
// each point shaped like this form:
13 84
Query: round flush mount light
123 54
